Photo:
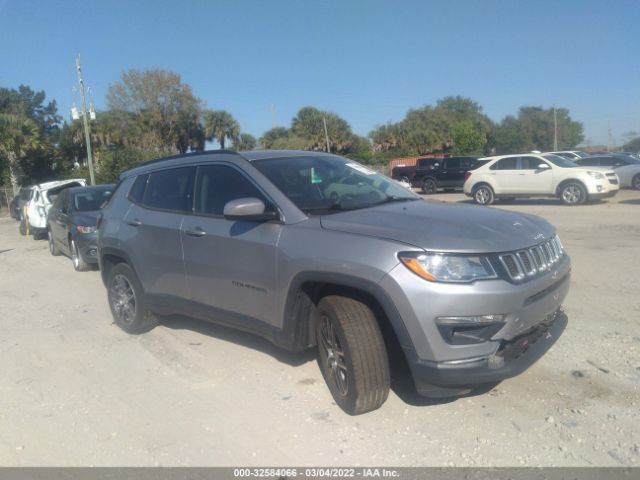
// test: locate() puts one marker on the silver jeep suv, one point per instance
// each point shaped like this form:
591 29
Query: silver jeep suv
312 250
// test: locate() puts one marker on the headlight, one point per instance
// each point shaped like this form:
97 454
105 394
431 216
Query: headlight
41 211
437 267
596 175
83 229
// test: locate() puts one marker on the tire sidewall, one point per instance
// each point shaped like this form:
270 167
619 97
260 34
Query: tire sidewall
489 190
346 402
125 270
429 181
635 181
583 193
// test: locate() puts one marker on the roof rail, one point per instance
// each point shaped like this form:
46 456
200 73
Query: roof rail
190 154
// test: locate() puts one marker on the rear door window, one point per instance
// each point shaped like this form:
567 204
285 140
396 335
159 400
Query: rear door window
506 164
452 163
170 190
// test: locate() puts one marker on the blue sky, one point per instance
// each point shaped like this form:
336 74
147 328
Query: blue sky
368 61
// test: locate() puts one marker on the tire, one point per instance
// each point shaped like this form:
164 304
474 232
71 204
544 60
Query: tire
573 193
429 186
76 258
53 250
635 181
359 377
127 301
23 227
483 195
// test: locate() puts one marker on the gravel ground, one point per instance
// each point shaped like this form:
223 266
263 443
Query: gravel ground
76 390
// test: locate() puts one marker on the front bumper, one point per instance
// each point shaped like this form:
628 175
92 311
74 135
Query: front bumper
87 247
524 307
600 196
512 358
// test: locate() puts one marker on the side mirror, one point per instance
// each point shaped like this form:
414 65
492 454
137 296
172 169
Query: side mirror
543 166
248 208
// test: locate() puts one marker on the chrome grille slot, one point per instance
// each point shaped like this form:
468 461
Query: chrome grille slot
525 259
533 261
537 260
513 266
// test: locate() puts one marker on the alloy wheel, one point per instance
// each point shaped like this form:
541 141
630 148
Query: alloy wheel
572 194
635 183
334 355
483 195
123 299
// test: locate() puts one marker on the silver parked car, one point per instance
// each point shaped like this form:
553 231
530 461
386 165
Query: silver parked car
312 250
627 167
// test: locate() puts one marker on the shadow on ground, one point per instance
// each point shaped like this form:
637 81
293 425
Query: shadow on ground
255 342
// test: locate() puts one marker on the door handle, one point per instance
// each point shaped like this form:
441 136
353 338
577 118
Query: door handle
195 232
134 222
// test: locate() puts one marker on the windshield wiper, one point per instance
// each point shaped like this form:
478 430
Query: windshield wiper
393 198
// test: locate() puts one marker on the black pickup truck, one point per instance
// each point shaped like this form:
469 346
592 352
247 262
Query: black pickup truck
433 173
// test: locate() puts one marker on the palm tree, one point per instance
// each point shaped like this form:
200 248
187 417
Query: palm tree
221 126
18 135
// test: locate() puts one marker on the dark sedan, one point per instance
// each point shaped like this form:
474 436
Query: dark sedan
71 223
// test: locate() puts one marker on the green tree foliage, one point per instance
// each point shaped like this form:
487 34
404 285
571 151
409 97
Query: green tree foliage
268 138
165 111
220 126
533 129
19 135
455 125
115 161
245 141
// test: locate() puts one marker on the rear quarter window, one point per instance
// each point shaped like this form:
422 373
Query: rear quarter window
136 193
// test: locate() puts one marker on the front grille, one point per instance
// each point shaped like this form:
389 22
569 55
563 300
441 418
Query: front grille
613 178
526 264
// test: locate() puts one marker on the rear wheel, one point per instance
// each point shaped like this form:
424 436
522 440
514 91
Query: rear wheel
635 181
429 186
23 227
351 354
573 193
127 301
483 195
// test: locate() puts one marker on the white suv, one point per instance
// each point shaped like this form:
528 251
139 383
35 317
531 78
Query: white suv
538 175
34 218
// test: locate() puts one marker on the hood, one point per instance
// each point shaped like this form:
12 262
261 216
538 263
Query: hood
444 227
88 219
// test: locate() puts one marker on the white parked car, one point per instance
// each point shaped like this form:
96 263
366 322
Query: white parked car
538 175
34 219
627 167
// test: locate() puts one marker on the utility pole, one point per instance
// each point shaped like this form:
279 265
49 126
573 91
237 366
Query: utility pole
85 120
273 116
326 135
555 130
609 142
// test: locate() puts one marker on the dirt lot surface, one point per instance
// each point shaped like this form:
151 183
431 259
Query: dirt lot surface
76 390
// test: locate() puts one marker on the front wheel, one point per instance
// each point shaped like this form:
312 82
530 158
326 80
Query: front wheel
76 258
127 301
351 354
429 186
52 245
635 181
573 194
483 195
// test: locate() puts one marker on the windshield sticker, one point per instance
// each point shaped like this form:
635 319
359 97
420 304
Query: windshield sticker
359 168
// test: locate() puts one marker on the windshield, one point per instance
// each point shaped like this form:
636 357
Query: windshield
91 199
322 185
559 161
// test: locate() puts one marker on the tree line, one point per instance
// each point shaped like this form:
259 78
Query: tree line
153 113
